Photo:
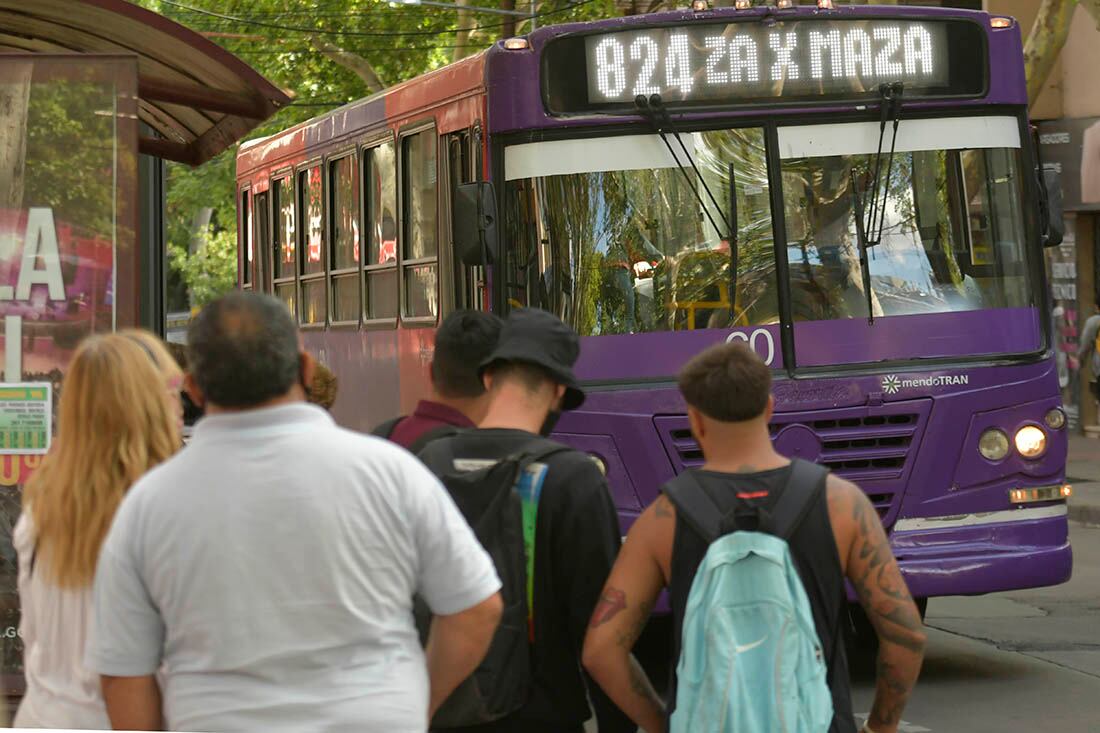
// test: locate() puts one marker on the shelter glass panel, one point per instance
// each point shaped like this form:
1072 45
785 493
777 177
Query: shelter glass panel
68 258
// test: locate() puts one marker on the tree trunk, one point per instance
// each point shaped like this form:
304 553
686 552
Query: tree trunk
1044 43
15 95
353 61
462 36
508 27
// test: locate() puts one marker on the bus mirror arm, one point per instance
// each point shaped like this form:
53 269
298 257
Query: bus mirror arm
1051 213
473 223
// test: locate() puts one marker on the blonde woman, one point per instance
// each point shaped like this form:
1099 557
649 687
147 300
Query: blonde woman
119 417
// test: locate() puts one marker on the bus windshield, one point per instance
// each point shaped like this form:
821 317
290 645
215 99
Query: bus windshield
609 234
618 242
953 238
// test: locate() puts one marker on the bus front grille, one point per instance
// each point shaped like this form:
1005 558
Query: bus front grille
871 446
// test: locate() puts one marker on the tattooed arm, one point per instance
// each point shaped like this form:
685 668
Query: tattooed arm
621 615
873 572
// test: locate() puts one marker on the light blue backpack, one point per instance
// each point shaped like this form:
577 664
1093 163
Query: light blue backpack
750 657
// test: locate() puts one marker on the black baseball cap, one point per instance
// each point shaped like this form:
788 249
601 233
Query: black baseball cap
538 337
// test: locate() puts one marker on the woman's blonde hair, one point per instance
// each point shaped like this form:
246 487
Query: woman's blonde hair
115 423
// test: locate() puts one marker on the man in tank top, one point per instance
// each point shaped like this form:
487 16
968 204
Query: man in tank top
727 390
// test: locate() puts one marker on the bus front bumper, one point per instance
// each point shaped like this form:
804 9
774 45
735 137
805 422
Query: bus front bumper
984 553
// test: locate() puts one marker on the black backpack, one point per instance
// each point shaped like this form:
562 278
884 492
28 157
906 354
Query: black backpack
385 430
499 501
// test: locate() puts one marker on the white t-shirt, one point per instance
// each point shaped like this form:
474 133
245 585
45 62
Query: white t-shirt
271 565
54 623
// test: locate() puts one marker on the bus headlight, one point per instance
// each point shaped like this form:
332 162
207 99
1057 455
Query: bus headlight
1055 419
993 445
1031 441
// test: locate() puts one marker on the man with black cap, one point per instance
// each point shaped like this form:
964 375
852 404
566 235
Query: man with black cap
530 380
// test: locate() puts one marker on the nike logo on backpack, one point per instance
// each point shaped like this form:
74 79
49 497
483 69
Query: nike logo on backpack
741 649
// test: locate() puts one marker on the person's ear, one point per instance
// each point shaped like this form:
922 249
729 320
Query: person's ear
192 388
769 410
307 366
559 396
487 380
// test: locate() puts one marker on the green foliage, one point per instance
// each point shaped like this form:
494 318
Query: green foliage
284 41
212 269
58 113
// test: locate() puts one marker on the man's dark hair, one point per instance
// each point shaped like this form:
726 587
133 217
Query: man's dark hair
727 382
243 350
464 340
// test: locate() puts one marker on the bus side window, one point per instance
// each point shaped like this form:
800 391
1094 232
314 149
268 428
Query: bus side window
262 246
312 238
420 206
285 243
244 239
380 259
344 239
469 282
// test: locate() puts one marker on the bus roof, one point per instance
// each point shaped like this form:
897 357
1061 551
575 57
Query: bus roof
396 105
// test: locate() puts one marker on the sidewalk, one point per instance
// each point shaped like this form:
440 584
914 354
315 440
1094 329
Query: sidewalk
1083 472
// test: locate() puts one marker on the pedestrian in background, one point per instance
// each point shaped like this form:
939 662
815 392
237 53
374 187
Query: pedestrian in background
269 569
323 387
1088 356
458 400
118 418
191 412
833 533
529 378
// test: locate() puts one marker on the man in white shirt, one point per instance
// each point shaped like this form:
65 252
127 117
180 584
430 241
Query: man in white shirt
270 566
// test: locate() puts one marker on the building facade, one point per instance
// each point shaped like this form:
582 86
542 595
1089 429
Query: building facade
1067 112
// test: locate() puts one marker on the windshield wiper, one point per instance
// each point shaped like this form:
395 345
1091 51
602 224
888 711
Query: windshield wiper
870 221
654 110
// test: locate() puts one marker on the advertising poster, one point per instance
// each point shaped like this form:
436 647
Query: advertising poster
68 174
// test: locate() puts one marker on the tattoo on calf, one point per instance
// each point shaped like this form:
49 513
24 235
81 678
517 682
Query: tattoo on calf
612 602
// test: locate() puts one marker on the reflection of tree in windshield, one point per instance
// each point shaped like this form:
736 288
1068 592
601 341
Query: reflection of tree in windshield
932 256
631 251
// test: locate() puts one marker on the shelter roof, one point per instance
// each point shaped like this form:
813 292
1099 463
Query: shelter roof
199 97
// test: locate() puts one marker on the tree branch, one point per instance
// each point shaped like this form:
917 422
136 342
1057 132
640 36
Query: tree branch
1045 41
352 61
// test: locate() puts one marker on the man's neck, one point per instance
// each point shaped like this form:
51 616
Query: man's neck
511 408
742 454
472 407
294 395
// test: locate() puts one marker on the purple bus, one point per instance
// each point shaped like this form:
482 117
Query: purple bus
854 193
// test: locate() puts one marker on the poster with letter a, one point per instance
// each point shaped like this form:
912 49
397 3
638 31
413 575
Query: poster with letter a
68 223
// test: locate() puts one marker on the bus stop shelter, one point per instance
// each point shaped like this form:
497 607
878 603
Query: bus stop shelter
94 96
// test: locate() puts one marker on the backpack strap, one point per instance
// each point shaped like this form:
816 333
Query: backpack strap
695 505
538 449
385 430
806 481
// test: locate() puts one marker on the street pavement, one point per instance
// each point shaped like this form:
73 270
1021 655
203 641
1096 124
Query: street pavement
1019 661
1007 662
1083 472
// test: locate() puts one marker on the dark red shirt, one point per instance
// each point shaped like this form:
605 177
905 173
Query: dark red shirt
427 416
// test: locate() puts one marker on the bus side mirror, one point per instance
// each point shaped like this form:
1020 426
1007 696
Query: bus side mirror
474 223
1052 215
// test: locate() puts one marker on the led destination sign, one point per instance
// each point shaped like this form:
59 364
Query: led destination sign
734 63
